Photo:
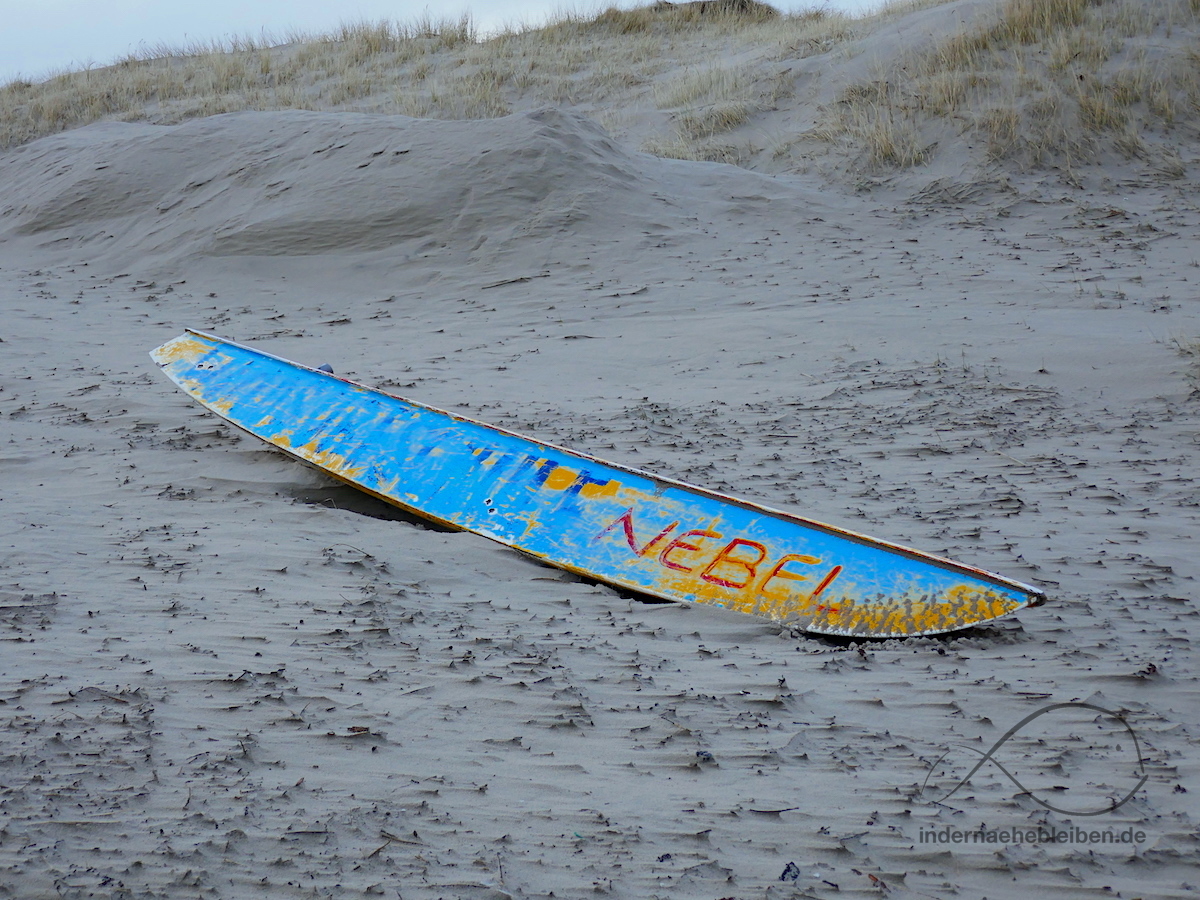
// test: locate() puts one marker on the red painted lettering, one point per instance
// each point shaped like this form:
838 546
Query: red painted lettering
728 560
626 523
681 543
780 572
825 582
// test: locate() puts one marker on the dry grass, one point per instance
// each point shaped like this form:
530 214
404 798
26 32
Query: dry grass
712 120
674 16
170 84
883 134
440 68
730 153
1189 347
1045 83
710 99
707 83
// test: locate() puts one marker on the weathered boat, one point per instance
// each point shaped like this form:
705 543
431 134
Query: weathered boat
618 525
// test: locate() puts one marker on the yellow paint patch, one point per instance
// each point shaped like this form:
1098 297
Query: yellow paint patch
328 459
778 605
960 606
263 422
531 521
774 606
221 406
675 581
598 491
560 479
188 349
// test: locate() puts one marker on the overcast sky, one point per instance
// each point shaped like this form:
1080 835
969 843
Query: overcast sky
38 37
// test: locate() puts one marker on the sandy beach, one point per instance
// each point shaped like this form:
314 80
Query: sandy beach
224 675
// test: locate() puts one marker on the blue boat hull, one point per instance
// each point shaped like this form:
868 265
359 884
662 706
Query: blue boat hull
628 528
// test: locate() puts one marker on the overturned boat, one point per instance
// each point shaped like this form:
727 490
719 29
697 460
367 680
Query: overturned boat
622 526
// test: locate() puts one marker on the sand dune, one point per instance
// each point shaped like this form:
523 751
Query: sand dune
309 184
223 675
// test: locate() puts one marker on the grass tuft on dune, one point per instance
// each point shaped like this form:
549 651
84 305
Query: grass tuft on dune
1045 83
442 68
1029 83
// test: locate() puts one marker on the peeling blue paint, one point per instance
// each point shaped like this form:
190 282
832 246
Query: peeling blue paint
616 524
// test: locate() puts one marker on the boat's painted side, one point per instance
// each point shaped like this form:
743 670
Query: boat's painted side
618 525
